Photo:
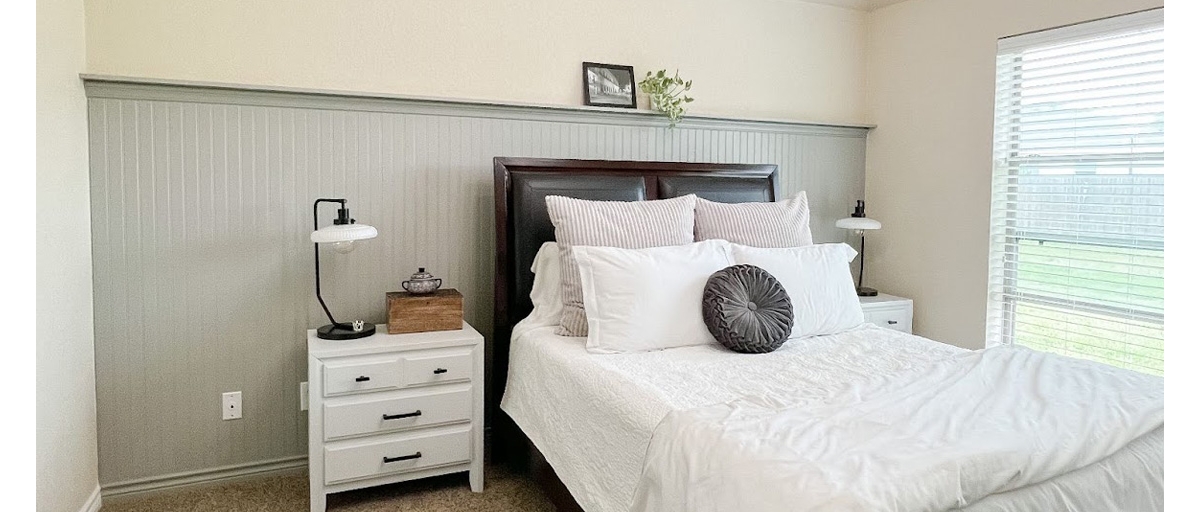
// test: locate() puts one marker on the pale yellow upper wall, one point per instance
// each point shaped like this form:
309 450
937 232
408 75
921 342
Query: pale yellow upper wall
749 58
932 67
66 384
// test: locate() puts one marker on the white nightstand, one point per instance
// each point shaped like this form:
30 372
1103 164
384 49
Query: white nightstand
888 311
393 407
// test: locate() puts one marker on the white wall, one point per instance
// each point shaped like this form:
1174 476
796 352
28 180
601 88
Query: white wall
750 58
931 68
66 386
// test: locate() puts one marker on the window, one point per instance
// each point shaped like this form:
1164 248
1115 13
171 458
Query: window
1076 257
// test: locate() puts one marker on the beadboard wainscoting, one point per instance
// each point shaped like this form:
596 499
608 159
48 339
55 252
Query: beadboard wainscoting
202 207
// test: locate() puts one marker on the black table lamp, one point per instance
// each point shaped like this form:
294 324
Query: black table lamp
859 222
342 234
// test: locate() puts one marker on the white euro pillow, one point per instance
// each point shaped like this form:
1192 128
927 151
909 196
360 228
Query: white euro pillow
817 278
546 293
639 300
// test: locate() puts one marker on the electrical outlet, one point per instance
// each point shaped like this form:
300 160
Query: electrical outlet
231 405
304 396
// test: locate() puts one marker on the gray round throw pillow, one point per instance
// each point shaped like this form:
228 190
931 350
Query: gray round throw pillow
747 310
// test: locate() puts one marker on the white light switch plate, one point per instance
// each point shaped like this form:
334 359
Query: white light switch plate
231 405
304 396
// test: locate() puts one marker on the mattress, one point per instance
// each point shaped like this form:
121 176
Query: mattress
592 415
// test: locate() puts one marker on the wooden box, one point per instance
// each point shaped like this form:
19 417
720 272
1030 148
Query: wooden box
437 311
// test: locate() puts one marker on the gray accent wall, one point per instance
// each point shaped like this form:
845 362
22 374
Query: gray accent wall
202 206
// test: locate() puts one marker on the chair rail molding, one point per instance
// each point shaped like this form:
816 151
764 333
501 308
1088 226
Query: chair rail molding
117 87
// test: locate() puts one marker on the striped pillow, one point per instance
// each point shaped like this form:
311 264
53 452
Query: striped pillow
623 224
778 224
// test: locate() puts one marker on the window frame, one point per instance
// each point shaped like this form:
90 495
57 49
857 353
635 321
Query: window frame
1001 323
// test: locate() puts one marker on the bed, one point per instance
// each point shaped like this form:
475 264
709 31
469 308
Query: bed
588 425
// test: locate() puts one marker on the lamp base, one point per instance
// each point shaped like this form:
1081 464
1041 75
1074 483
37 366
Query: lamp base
866 292
342 332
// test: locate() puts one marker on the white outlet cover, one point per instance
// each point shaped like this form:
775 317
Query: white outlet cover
304 396
231 405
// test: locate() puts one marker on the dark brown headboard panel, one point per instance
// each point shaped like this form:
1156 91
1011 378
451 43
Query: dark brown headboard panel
522 224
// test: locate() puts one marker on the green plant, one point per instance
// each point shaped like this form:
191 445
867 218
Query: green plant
666 93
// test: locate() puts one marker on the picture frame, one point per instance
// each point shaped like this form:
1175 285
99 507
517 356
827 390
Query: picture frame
609 85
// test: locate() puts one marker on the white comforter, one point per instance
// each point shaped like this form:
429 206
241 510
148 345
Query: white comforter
933 437
593 416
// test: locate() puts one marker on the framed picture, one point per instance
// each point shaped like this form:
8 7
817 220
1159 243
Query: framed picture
608 85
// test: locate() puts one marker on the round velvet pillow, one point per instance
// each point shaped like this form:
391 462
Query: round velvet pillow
747 310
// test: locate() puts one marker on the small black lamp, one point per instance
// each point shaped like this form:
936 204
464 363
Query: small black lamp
859 222
342 234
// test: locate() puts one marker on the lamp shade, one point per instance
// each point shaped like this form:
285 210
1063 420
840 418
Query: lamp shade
343 233
862 223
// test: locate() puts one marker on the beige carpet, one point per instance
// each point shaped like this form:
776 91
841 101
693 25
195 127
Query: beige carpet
504 491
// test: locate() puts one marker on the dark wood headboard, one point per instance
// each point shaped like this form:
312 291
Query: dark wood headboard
522 224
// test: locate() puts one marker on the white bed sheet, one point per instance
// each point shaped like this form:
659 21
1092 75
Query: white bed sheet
592 416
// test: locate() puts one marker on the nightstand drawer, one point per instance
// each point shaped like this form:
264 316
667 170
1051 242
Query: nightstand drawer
435 368
396 455
363 374
368 415
899 319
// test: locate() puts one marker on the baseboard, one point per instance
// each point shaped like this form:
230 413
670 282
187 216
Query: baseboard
204 476
93 502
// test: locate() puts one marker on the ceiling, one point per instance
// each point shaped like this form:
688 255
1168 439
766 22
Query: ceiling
861 5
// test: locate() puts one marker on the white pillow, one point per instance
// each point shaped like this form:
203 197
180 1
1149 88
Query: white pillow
647 299
546 293
817 278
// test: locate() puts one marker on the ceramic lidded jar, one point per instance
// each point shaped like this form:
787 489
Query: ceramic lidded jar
421 283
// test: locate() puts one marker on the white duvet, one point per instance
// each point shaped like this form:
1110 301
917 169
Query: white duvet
935 437
594 416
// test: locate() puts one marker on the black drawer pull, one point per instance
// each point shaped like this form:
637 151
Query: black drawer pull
892 322
440 371
402 457
362 379
405 415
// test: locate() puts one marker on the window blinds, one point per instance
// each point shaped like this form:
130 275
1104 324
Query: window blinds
1076 256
